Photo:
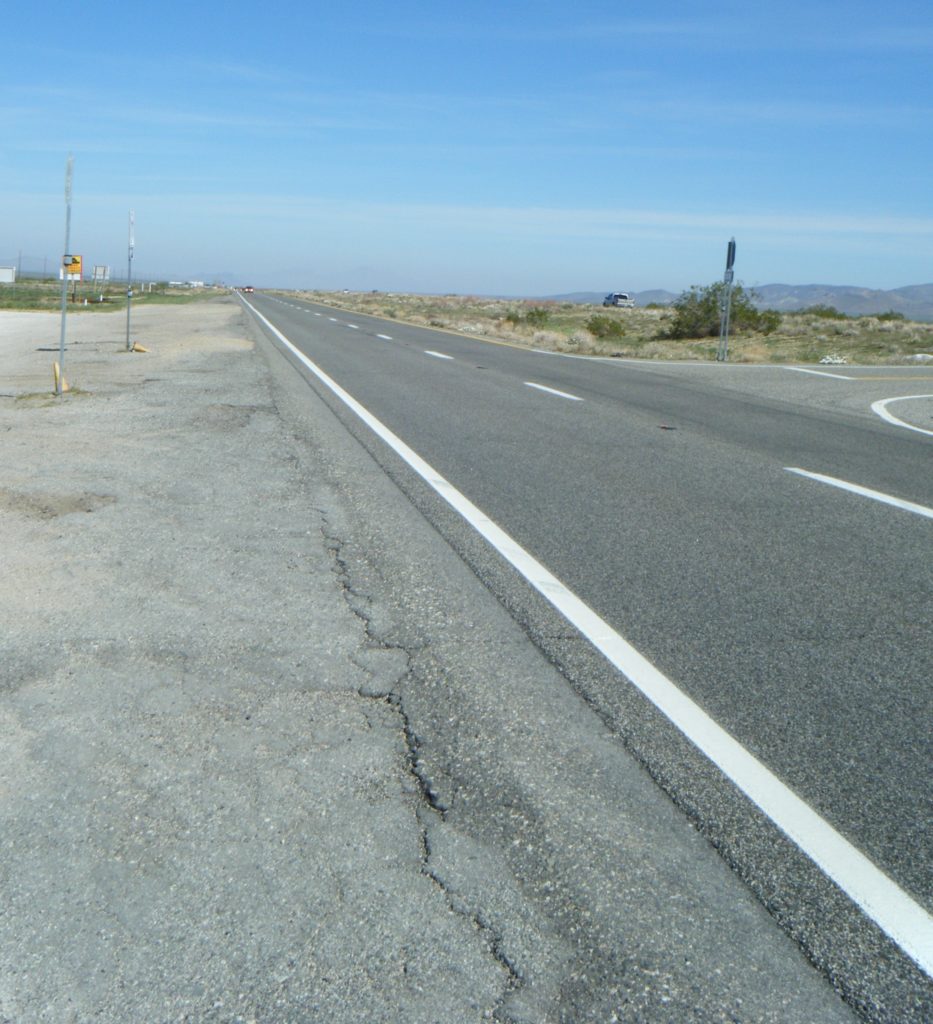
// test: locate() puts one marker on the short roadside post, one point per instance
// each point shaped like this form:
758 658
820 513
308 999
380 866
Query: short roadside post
129 281
723 354
66 265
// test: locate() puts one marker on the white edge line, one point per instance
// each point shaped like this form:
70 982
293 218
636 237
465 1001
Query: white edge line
902 919
819 373
552 391
437 355
880 409
908 506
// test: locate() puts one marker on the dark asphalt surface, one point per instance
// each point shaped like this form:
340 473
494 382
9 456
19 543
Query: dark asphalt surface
795 614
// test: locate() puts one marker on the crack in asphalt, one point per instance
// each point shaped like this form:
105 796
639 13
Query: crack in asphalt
432 805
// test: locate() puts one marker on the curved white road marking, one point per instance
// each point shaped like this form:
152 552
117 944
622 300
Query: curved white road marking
880 408
900 917
866 492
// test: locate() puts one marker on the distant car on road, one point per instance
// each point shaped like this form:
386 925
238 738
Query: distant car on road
247 287
621 299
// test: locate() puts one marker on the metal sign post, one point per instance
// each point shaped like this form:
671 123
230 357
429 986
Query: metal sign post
723 354
66 263
100 278
129 280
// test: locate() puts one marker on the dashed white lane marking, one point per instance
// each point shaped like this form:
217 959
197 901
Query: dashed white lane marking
332 319
318 314
866 492
880 408
437 355
552 391
820 373
354 326
903 919
385 337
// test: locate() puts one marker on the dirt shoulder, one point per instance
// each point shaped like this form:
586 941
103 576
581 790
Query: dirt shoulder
201 815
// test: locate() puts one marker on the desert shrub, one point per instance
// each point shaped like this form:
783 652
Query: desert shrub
538 316
698 313
824 312
890 315
769 320
601 326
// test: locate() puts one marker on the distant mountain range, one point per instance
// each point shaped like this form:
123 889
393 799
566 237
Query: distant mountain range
914 301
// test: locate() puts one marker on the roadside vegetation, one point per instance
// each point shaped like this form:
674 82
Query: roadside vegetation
46 295
697 313
688 329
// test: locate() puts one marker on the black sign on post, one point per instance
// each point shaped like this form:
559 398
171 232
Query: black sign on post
723 354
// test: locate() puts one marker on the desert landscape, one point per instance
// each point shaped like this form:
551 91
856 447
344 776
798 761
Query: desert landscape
821 334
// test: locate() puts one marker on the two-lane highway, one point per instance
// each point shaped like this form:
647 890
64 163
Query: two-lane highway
791 611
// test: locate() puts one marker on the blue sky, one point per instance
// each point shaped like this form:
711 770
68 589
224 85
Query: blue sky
522 149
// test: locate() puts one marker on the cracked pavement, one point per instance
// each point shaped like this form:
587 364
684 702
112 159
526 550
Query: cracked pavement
270 752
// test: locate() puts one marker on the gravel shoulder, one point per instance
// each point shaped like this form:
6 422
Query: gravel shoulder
201 816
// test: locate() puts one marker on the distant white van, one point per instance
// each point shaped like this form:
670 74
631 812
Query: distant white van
621 299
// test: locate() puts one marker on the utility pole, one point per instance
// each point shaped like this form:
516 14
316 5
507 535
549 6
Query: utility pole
66 263
723 354
129 280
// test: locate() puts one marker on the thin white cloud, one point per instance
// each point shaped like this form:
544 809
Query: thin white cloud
546 220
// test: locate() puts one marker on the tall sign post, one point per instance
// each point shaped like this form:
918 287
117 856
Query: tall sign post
66 265
129 280
723 354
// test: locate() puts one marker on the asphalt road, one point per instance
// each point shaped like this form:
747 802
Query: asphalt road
795 613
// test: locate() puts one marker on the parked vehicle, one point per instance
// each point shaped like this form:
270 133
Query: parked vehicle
621 299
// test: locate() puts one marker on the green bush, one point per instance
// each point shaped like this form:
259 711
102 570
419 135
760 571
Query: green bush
890 315
769 320
537 316
698 313
601 326
824 312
